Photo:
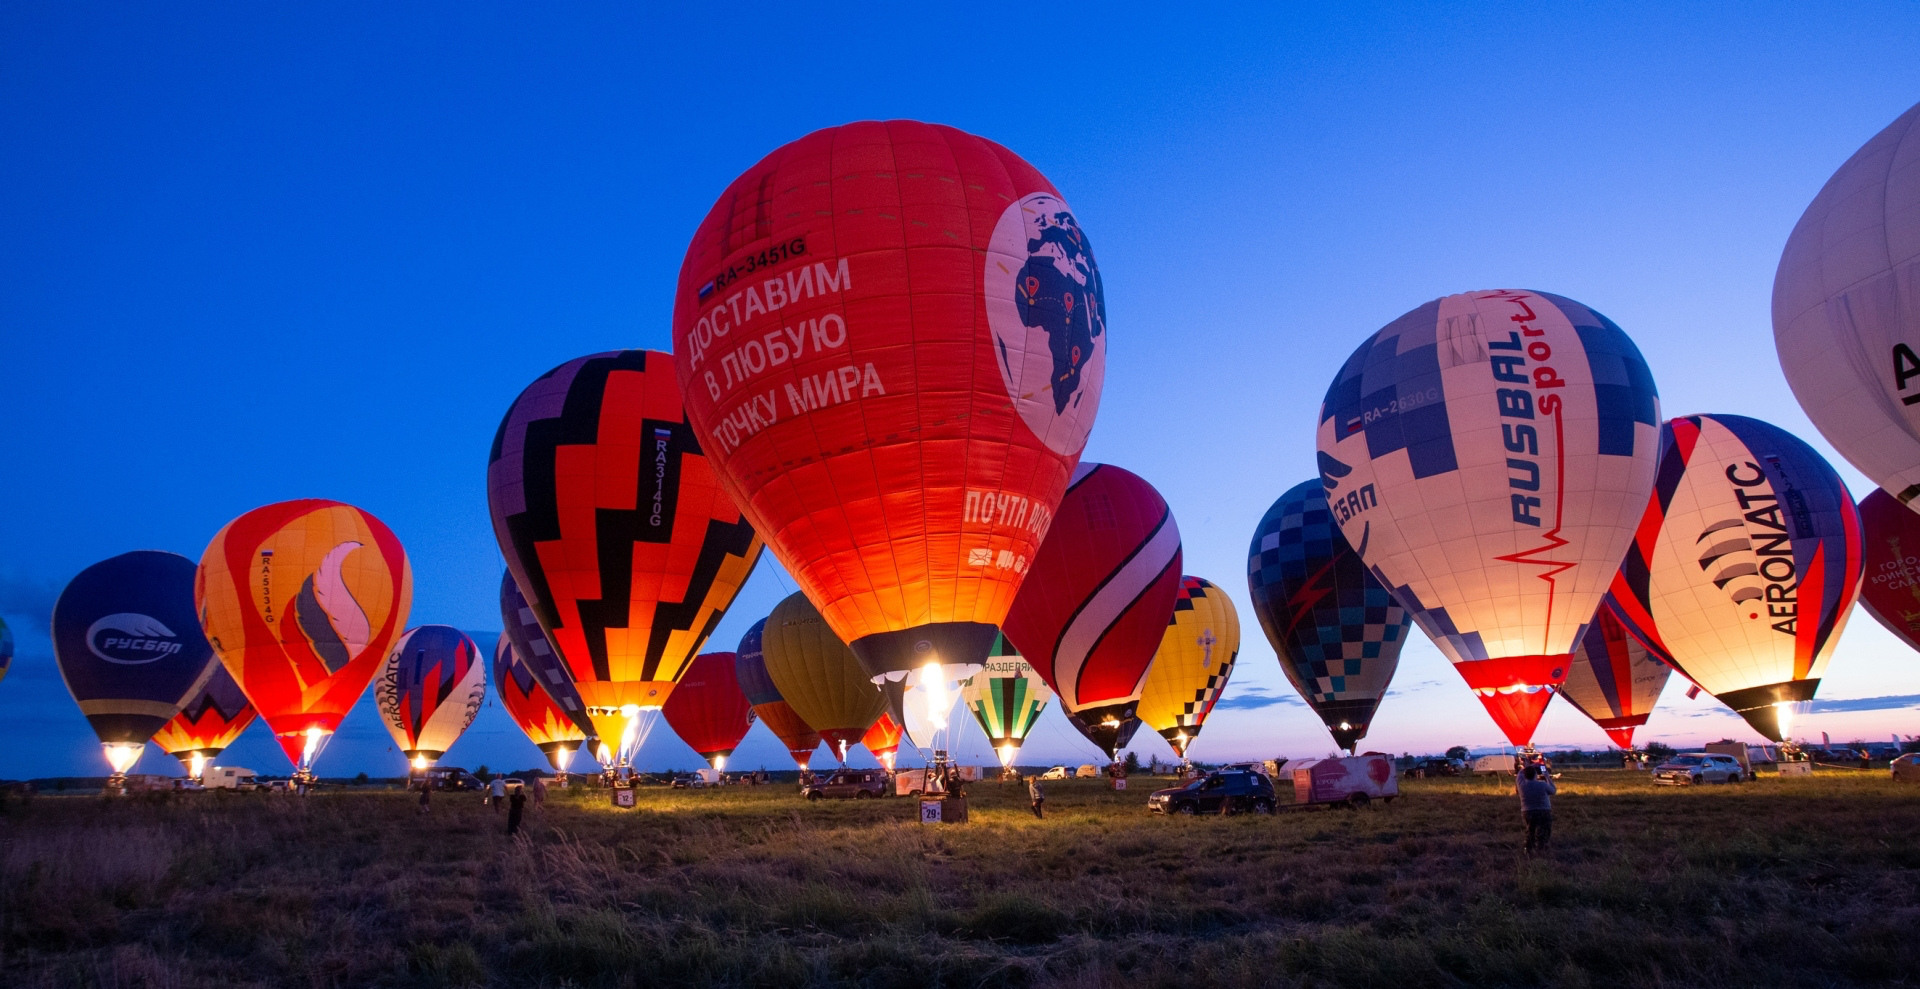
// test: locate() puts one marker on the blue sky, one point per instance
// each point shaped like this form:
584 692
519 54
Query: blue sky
254 253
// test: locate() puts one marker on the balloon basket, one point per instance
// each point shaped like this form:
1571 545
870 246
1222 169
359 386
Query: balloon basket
943 810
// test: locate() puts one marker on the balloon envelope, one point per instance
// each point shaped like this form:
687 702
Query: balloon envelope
1614 680
892 341
1891 590
616 529
533 708
750 666
129 647
883 739
1846 308
302 599
707 709
818 675
1196 656
6 648
429 690
208 722
1336 629
1096 602
1488 455
1745 565
536 654
1006 697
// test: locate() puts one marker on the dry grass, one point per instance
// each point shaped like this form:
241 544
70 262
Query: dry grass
1776 883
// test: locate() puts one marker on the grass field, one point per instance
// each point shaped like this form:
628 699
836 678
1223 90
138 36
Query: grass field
1776 883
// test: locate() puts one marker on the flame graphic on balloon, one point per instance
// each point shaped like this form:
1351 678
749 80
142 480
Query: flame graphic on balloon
326 611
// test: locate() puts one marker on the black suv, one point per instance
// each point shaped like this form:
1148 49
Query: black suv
1216 793
849 784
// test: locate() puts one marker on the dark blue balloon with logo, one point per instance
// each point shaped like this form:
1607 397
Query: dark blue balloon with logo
129 645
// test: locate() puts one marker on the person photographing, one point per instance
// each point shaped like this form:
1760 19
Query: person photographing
1536 806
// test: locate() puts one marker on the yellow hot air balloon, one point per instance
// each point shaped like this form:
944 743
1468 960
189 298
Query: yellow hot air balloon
819 676
1191 669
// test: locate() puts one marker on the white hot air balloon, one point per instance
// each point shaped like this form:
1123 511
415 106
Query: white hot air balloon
1488 456
1846 308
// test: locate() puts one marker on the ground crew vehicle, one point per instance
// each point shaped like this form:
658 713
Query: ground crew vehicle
849 784
1217 793
1352 781
229 778
1689 768
1056 773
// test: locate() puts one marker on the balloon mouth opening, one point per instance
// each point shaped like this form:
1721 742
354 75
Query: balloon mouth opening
719 764
196 766
561 757
122 755
421 762
1783 714
1007 752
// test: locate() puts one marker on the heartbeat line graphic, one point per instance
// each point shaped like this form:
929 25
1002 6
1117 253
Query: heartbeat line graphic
1550 541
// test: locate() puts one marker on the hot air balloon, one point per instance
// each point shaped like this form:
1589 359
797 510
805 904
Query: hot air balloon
750 667
883 739
1614 680
1846 309
547 725
1336 630
211 720
1098 596
1006 697
302 599
1196 656
892 338
1891 590
818 675
428 691
6 648
1745 565
708 710
533 652
1488 455
617 531
129 649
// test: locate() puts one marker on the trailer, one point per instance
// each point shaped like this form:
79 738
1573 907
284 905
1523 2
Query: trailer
1352 781
230 778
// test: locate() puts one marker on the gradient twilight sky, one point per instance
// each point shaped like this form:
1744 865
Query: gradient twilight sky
251 253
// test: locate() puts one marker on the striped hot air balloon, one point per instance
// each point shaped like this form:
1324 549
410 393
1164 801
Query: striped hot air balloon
774 711
1614 679
429 690
302 600
708 710
533 708
1488 454
210 721
1745 565
1196 656
1006 697
129 648
618 531
1336 629
818 675
1096 601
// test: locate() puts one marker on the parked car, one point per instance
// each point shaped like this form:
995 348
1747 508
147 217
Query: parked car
444 778
687 781
849 784
1425 768
1689 768
1056 773
1215 793
1906 767
1087 772
1247 767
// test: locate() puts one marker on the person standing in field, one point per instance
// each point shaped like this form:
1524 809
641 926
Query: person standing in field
1536 805
1037 797
497 792
519 803
426 794
539 793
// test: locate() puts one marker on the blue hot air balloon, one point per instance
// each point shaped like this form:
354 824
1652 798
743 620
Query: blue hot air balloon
130 647
536 653
6 648
1337 630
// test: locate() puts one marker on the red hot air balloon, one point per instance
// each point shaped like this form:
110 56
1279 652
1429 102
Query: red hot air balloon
892 338
1096 601
1614 679
1891 590
708 710
883 739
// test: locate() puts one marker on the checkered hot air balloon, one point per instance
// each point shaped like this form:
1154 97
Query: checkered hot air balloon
1006 697
1615 680
1191 667
618 531
429 690
1336 629
1745 565
1488 455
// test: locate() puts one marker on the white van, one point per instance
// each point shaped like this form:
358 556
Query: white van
230 778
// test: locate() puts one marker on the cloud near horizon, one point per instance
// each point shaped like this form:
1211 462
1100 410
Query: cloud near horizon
1253 698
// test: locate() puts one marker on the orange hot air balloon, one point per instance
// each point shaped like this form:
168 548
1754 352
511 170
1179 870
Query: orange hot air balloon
883 739
302 600
615 527
892 339
546 723
211 720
